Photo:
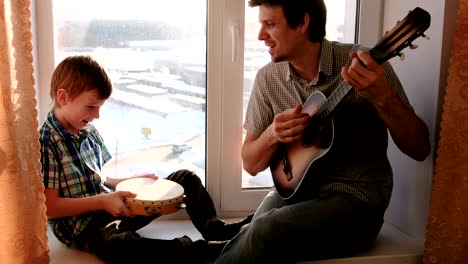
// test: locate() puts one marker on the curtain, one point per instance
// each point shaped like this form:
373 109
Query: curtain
447 230
23 218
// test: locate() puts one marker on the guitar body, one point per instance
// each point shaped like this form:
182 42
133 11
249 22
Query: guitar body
300 154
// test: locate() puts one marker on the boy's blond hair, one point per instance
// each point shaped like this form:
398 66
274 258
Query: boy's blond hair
78 74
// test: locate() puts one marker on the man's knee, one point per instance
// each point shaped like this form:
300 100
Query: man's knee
265 227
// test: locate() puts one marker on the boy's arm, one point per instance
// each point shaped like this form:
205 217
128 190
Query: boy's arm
60 207
112 182
112 178
110 202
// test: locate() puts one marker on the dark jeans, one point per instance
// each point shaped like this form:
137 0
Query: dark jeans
119 243
335 226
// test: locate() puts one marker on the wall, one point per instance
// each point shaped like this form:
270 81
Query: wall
423 74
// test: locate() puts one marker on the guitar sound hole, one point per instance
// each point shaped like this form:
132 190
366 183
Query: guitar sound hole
318 136
309 137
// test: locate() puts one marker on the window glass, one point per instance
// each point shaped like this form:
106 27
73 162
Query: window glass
155 54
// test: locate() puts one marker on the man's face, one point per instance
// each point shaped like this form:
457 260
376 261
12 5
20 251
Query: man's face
277 35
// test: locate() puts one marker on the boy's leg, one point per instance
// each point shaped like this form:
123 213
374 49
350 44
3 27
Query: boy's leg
201 210
129 247
115 245
121 224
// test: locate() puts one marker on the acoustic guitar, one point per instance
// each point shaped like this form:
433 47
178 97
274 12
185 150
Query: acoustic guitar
293 161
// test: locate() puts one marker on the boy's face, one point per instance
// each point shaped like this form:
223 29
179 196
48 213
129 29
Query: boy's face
75 114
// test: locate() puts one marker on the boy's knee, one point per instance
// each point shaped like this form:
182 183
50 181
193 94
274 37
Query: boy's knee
185 177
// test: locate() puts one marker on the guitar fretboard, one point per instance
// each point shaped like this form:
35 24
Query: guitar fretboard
326 109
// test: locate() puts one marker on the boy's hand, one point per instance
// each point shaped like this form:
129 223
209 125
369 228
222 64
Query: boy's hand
112 182
114 203
146 175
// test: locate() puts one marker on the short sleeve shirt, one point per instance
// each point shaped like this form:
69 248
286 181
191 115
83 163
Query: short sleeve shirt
356 162
71 165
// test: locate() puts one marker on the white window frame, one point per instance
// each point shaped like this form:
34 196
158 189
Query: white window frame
225 45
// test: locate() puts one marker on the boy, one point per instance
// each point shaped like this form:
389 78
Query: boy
81 212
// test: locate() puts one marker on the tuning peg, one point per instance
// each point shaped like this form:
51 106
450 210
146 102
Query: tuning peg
401 55
413 46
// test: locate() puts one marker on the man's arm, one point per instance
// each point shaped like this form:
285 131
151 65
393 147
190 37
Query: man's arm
408 131
257 151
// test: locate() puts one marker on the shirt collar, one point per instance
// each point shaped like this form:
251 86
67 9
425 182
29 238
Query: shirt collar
61 131
326 58
325 64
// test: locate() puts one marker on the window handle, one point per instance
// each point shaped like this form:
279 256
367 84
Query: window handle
234 28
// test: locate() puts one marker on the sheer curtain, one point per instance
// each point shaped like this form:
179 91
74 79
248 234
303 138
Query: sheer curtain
447 232
23 236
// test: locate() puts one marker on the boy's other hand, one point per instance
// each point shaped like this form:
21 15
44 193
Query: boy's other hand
146 175
112 182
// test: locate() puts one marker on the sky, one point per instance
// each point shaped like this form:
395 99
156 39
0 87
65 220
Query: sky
178 12
173 10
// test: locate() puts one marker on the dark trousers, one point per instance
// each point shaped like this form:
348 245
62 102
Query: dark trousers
334 226
114 240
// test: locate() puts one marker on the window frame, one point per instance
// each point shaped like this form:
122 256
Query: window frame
225 45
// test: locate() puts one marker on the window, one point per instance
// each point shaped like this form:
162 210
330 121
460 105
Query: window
155 55
182 72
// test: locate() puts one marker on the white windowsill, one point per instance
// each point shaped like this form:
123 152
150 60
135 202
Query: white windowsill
392 246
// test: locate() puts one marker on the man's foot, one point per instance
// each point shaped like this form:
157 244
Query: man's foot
218 230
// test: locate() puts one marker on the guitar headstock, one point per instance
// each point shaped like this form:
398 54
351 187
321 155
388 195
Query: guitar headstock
401 36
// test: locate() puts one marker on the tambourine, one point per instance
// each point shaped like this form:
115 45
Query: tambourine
154 197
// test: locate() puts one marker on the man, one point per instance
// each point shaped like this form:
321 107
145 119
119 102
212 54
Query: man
345 193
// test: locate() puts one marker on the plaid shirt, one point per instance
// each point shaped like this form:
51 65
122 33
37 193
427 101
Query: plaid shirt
69 164
357 161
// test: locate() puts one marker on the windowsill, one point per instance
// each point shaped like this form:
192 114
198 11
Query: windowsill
392 246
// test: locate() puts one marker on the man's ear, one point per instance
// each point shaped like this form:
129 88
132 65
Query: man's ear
304 26
62 96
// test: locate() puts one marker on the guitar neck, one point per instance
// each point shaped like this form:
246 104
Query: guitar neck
401 36
326 110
